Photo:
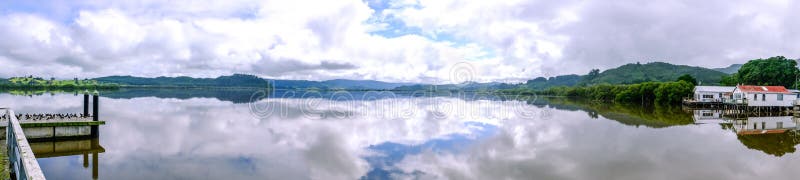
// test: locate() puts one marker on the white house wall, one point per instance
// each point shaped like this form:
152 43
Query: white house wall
698 96
771 99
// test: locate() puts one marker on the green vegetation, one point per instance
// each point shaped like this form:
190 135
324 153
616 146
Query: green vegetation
774 71
641 93
688 78
31 83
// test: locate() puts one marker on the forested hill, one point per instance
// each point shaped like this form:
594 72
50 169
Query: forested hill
241 80
236 80
336 84
655 71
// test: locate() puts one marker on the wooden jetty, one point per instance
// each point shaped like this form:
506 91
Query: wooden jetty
741 107
28 138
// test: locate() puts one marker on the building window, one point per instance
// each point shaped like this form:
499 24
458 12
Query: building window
755 97
707 114
708 96
739 96
780 125
763 125
763 97
780 97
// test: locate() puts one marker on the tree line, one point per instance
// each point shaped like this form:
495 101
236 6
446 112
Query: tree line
645 93
38 83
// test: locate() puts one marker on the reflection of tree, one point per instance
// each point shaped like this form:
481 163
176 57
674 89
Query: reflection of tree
776 144
628 114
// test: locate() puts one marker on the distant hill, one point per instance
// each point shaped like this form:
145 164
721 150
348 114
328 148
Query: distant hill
362 84
733 68
336 84
236 80
542 83
467 86
241 80
630 74
655 71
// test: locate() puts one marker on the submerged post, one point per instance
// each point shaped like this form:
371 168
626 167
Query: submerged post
95 157
85 103
85 160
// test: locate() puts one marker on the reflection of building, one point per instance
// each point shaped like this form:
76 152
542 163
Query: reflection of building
708 117
765 125
772 135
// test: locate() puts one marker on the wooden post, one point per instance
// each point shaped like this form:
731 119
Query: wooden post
95 131
86 103
96 103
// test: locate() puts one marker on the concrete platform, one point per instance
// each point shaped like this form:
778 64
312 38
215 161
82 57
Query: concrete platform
54 129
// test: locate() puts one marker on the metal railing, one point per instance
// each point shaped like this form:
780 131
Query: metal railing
22 162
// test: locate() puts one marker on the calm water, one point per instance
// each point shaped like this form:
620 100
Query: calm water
194 134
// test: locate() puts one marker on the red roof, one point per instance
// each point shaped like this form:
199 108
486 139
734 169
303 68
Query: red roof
764 89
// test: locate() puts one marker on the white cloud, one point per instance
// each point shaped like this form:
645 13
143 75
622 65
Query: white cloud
504 40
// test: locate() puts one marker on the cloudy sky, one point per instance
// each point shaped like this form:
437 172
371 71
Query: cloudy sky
389 40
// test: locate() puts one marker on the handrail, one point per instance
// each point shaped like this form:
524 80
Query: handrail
20 156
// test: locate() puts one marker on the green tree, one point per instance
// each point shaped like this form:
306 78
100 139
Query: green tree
774 71
588 78
594 73
688 78
728 80
673 92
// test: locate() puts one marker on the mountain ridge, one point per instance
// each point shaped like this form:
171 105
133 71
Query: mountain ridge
626 74
733 68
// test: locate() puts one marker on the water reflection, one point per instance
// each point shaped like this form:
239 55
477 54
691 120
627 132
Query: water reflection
88 148
774 135
150 137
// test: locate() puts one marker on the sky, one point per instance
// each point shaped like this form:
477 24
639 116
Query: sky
430 41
